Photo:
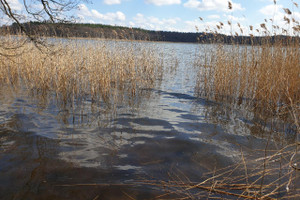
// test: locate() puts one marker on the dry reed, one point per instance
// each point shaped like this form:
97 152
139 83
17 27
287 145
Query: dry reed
266 76
264 79
103 72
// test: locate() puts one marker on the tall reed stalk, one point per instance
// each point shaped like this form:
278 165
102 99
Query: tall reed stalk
265 76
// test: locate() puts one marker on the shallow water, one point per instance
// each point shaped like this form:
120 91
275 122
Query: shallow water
47 152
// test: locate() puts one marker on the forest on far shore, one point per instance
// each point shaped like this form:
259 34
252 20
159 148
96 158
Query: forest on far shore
67 30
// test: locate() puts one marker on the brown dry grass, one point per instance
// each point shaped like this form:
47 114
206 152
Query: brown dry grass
264 76
80 69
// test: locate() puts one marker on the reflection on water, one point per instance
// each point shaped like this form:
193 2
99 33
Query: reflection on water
50 152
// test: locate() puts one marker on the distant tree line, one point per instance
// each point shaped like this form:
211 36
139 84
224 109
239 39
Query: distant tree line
67 30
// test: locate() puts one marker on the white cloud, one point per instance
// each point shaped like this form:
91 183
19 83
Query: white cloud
232 18
112 2
17 9
93 16
214 25
197 25
274 12
83 10
271 10
117 16
37 6
208 5
163 2
297 16
269 1
15 5
154 23
213 17
277 14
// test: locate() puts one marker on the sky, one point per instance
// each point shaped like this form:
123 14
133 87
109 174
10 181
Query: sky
186 15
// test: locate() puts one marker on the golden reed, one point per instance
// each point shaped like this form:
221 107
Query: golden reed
78 69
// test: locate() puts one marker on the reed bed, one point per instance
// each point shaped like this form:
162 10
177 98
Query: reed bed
264 80
265 77
76 70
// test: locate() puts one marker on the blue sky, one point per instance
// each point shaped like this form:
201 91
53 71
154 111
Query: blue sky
183 15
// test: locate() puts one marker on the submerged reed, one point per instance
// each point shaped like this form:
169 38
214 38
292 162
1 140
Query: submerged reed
102 72
269 177
264 79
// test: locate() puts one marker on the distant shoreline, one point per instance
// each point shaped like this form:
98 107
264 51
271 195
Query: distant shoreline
100 31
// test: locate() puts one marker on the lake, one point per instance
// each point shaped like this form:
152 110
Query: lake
167 134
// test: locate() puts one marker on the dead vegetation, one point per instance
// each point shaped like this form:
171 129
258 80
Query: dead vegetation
265 80
274 176
72 71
